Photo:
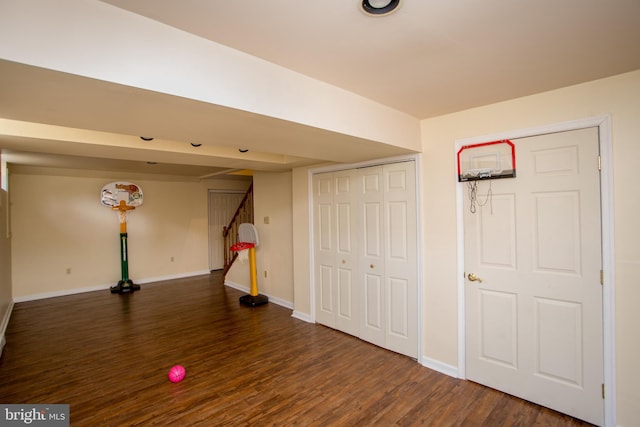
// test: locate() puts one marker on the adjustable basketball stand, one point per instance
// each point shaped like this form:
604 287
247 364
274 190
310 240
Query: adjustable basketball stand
248 236
125 285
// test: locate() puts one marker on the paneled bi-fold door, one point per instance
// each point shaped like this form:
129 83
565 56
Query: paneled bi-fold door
365 254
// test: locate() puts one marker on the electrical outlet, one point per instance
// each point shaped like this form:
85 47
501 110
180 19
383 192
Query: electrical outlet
266 220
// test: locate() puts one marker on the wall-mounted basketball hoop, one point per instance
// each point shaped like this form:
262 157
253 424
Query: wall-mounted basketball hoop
122 197
487 160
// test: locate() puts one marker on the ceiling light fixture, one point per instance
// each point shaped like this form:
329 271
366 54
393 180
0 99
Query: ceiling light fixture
152 163
243 150
146 138
193 144
379 7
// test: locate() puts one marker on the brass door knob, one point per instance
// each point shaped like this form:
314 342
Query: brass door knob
472 277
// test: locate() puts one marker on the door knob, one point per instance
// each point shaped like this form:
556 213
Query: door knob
472 277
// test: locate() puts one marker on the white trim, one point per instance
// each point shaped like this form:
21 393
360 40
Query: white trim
603 123
608 267
419 253
375 162
275 300
312 271
301 316
4 325
66 292
438 366
418 191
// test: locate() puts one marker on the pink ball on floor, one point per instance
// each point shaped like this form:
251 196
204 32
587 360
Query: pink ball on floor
176 373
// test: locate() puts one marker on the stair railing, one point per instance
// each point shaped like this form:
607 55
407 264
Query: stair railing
243 214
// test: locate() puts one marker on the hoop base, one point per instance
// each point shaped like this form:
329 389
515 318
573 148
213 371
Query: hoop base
124 287
254 300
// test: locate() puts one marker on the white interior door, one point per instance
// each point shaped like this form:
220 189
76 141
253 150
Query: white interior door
347 312
366 254
373 327
401 262
222 206
534 316
335 246
324 248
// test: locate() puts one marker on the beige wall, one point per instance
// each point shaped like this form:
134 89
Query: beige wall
618 96
58 223
272 198
301 244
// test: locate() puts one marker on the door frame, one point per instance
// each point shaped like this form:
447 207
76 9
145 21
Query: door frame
378 162
603 123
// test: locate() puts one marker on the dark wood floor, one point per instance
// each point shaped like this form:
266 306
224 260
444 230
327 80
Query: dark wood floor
108 356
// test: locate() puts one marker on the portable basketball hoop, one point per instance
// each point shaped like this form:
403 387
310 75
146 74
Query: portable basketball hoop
122 197
246 248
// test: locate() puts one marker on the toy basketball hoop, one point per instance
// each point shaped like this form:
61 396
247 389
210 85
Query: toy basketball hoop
242 248
487 160
246 248
122 197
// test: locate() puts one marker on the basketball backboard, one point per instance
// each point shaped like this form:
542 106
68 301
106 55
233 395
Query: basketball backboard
487 160
115 192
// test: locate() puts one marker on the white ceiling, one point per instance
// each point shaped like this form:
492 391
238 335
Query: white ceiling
426 59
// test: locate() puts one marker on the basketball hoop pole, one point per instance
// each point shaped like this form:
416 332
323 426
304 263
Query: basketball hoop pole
248 237
253 290
125 285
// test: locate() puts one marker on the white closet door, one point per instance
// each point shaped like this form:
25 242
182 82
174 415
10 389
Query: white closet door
324 248
372 257
346 207
365 254
335 245
400 258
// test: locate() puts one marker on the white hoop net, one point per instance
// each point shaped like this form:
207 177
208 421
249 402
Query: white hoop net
122 216
243 255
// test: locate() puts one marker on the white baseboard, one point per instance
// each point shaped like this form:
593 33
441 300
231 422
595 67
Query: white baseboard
275 300
436 365
302 316
65 292
172 277
4 325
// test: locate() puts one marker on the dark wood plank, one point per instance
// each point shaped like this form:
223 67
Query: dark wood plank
108 356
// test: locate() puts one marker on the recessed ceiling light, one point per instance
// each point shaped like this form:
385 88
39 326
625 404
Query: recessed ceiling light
243 150
146 138
193 144
379 7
